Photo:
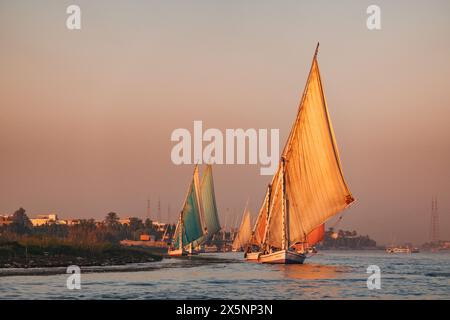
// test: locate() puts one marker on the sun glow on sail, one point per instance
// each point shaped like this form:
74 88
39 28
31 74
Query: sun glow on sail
199 220
245 232
209 203
309 186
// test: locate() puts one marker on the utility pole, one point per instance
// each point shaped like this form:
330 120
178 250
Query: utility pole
168 213
159 209
434 226
148 208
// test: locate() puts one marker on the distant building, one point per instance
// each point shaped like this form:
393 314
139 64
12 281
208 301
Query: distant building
5 220
71 222
43 219
124 221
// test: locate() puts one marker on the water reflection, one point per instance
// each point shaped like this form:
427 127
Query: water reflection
310 271
332 275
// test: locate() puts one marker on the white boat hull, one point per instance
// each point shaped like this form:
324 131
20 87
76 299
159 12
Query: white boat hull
282 257
398 250
252 256
177 253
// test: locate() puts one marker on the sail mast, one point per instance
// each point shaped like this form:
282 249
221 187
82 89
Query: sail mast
181 230
284 222
305 90
312 187
270 207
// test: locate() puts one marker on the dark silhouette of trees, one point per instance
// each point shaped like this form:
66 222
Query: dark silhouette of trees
112 220
86 232
20 223
346 240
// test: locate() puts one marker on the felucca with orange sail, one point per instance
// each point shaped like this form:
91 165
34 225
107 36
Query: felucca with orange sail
308 188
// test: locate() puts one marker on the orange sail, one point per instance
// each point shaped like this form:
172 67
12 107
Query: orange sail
316 235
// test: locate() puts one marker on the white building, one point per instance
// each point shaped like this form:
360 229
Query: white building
42 219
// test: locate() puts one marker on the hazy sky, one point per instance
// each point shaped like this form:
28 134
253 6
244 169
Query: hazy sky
86 116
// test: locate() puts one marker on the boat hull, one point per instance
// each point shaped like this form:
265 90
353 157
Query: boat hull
252 256
192 252
399 250
177 253
282 257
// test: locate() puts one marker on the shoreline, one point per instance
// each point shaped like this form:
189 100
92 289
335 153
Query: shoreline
185 262
15 256
48 271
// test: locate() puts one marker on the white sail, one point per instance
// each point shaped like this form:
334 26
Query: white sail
245 231
309 186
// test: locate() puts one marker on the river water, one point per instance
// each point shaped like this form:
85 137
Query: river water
327 275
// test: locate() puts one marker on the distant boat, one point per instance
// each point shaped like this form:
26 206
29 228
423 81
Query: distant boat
211 249
189 226
210 216
242 239
198 221
408 250
309 186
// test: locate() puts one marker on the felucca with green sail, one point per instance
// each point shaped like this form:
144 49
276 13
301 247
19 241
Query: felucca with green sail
199 220
309 186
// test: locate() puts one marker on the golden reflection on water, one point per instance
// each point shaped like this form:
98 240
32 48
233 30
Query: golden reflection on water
310 271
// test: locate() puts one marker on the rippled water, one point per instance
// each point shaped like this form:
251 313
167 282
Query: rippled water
328 275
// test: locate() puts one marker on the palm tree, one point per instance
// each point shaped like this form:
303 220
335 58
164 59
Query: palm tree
112 220
20 222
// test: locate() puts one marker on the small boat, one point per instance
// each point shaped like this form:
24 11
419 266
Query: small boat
199 220
398 250
309 186
254 248
242 239
407 250
189 226
211 249
252 255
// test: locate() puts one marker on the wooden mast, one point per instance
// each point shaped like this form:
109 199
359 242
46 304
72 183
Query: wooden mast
284 223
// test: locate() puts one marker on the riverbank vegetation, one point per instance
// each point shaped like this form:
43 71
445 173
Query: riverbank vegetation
86 243
346 240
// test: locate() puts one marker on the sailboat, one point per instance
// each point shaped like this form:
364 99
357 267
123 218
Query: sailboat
308 187
254 249
241 241
189 226
209 215
199 219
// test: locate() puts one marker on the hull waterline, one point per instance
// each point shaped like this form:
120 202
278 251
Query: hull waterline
177 253
282 257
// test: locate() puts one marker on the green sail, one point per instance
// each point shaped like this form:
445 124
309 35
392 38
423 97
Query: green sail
190 225
209 203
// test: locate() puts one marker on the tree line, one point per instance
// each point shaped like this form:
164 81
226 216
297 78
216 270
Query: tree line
84 232
346 239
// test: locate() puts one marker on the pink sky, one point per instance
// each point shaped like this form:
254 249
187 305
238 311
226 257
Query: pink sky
86 116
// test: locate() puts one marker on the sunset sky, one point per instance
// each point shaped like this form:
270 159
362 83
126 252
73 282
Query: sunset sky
86 116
